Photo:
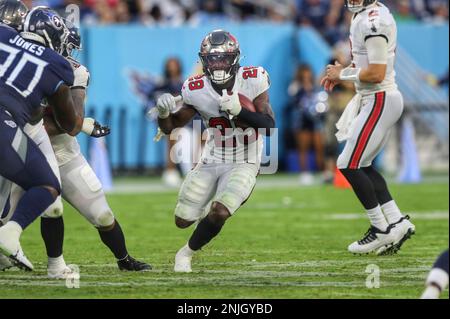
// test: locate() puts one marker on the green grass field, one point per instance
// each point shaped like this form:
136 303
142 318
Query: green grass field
286 242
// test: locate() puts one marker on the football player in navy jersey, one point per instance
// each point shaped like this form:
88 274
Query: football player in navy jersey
31 69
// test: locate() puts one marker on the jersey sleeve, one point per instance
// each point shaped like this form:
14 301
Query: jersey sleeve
81 74
375 26
82 77
260 83
63 71
185 93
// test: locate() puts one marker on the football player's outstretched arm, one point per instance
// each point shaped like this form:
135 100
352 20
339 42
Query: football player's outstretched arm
67 110
177 119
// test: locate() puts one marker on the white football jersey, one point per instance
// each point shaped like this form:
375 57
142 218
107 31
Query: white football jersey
66 147
226 143
375 20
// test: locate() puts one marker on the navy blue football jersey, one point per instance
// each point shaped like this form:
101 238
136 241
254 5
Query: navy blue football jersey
29 72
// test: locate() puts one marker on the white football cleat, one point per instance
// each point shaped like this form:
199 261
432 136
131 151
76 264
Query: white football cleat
373 241
5 263
402 230
183 260
10 246
63 273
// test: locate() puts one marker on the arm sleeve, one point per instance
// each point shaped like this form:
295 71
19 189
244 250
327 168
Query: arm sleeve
261 82
63 71
256 120
377 50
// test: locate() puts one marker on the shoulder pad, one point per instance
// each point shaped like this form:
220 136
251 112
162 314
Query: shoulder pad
191 85
257 77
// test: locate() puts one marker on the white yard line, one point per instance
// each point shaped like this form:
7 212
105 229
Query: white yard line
423 215
218 281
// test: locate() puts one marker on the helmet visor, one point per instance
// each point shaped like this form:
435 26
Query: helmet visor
218 61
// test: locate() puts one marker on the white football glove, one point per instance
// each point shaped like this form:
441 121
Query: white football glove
166 103
230 103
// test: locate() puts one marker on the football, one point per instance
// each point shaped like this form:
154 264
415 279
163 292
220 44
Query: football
247 104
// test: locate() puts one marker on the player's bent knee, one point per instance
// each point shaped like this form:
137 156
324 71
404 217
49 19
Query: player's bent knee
182 223
219 213
104 220
55 210
55 191
186 212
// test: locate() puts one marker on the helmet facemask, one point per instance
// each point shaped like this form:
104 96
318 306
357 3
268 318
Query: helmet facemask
220 66
357 6
72 44
220 55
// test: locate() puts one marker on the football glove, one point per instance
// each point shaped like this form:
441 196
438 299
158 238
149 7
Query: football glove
230 103
93 128
166 104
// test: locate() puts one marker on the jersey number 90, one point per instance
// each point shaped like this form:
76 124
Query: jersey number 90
17 69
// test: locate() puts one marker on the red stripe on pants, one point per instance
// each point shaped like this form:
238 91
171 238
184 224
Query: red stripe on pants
367 131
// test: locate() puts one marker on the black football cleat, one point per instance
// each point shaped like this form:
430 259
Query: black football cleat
131 264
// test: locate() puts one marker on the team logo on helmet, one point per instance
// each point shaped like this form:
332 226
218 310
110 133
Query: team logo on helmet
57 22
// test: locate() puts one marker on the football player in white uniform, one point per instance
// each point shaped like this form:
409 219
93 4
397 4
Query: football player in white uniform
80 186
368 120
224 96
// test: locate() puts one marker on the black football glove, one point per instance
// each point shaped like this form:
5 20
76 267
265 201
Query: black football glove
100 130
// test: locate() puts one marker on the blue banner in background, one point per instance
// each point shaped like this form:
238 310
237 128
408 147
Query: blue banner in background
112 52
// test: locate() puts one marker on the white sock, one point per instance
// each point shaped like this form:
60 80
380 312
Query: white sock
391 212
56 263
187 251
438 277
377 218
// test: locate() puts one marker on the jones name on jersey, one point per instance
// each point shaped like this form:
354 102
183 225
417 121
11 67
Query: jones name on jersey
227 141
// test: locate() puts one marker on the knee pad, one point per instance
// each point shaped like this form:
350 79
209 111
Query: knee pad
194 195
55 210
237 191
186 212
104 219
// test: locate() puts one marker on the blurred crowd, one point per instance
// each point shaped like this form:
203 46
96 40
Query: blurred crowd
328 16
311 116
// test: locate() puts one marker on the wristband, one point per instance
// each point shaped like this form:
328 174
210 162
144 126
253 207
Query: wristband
350 74
88 126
